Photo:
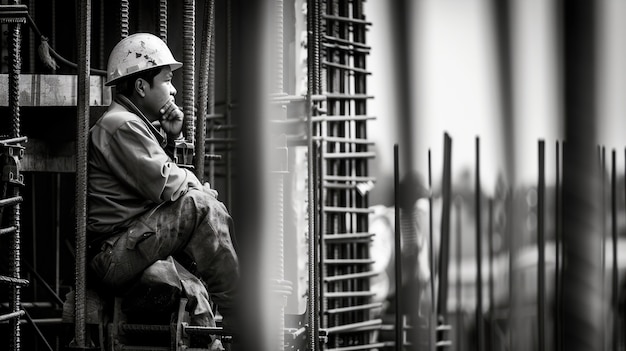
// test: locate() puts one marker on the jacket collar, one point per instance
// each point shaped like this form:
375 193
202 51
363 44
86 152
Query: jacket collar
131 107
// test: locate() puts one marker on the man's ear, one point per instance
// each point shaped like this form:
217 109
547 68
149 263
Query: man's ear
140 87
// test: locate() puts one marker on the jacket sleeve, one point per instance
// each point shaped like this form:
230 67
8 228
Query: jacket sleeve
141 163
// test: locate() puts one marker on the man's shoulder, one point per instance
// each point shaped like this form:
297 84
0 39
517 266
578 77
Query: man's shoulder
114 118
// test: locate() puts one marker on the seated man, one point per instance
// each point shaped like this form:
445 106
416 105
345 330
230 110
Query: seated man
142 207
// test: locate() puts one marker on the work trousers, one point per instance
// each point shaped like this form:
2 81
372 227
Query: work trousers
196 225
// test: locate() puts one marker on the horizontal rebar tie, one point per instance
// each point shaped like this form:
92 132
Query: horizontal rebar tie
13 281
354 326
12 141
11 315
144 348
349 261
339 96
347 237
346 19
348 210
342 186
443 344
198 330
346 48
145 328
345 140
215 116
13 13
376 345
346 42
359 275
343 118
345 67
337 178
347 155
8 230
11 201
369 306
219 140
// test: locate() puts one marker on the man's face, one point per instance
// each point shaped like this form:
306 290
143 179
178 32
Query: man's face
158 93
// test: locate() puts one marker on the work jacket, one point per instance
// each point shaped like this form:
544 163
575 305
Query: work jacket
129 170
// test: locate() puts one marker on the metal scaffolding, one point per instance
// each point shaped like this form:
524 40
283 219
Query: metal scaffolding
341 136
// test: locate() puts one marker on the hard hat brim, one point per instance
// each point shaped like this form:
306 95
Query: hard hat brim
174 66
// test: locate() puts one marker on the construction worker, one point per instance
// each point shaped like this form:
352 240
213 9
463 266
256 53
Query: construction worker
143 207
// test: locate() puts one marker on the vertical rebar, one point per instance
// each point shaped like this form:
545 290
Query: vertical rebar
444 249
398 250
124 18
53 25
84 45
32 50
558 327
492 303
163 20
101 54
312 86
431 253
279 176
206 86
541 264
615 277
479 276
189 68
513 295
14 106
582 327
459 287
228 93
602 159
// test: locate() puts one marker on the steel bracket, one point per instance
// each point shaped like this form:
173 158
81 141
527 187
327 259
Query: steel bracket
183 153
11 166
11 14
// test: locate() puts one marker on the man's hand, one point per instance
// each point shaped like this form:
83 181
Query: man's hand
171 118
207 189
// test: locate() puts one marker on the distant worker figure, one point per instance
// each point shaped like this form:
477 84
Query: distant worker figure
143 207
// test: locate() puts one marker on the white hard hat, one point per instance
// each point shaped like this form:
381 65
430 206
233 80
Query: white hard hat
136 53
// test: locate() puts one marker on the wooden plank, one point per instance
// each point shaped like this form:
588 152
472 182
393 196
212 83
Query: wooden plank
49 156
54 90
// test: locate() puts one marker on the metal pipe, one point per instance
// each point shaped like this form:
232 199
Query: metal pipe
189 68
479 276
38 331
541 264
45 284
84 45
12 315
398 251
13 281
8 230
15 200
